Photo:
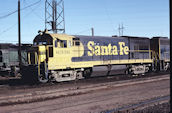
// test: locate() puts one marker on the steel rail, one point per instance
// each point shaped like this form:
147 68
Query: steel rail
141 104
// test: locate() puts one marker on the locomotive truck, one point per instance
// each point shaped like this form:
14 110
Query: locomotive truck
62 57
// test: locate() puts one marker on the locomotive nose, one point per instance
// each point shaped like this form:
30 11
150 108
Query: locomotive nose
37 54
42 53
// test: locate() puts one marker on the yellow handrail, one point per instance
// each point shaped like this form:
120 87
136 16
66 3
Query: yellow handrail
29 60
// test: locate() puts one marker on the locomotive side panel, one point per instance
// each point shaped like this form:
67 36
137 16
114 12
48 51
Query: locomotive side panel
87 51
103 49
70 57
115 50
139 48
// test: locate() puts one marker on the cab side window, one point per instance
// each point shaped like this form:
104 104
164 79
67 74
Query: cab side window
64 42
76 42
61 43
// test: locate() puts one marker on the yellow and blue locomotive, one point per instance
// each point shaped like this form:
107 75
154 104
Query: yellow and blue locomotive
63 57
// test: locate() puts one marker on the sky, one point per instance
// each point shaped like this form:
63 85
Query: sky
144 18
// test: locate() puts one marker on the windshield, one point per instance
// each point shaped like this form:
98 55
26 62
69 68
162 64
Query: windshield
44 39
40 43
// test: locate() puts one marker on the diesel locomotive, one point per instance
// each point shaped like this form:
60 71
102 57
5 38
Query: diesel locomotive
62 57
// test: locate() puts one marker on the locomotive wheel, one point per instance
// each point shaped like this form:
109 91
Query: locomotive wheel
87 73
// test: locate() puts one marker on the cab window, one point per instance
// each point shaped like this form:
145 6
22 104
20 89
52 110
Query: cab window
76 42
43 40
61 43
64 43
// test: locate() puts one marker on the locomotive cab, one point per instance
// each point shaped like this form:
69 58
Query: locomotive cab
38 56
52 53
44 45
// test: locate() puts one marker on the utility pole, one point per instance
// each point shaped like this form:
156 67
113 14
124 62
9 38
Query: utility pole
122 29
19 36
54 16
92 31
170 3
119 29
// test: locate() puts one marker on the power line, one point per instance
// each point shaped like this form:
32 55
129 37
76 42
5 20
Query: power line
33 11
13 12
9 14
4 31
11 27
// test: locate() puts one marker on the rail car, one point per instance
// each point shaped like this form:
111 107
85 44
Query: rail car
62 57
9 57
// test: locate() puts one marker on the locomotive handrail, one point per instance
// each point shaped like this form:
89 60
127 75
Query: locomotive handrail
167 52
47 52
29 60
36 58
39 71
140 50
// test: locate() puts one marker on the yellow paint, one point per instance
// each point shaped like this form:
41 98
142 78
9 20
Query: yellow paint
42 53
123 49
94 63
115 50
29 62
89 45
36 58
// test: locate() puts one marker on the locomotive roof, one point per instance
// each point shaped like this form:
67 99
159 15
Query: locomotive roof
46 35
68 37
61 36
136 37
65 36
53 36
160 37
163 38
84 36
106 37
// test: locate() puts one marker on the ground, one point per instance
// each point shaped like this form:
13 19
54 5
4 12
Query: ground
95 101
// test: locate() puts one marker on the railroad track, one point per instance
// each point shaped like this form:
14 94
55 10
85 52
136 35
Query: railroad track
36 96
133 107
17 83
